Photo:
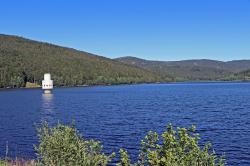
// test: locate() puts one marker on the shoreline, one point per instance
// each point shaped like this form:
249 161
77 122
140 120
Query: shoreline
174 82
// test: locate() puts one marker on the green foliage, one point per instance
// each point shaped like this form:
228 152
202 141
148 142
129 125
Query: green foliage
173 148
125 161
16 81
23 60
63 145
244 75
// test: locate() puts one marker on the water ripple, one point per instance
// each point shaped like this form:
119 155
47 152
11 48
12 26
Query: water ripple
120 116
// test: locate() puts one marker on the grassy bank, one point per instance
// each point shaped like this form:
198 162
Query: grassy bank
18 162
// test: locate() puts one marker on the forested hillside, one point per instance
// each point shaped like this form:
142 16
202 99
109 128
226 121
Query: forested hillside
23 60
190 70
241 76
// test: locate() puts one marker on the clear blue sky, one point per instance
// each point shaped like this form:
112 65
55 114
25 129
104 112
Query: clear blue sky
151 29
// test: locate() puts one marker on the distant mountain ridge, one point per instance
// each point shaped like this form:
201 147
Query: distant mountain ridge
197 69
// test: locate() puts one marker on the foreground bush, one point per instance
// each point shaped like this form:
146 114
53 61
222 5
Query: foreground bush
63 145
173 148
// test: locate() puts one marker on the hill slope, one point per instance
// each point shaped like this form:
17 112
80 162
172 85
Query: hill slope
202 69
243 75
23 60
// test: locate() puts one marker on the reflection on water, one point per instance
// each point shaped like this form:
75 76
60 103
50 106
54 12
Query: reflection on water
47 109
47 101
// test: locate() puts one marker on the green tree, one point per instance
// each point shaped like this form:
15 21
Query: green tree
16 81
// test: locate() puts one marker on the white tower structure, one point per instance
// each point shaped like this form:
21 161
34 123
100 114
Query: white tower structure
47 83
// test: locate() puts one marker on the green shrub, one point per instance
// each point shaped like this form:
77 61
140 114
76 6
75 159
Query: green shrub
63 145
173 148
125 161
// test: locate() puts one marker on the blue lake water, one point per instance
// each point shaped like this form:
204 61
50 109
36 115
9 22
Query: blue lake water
120 116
